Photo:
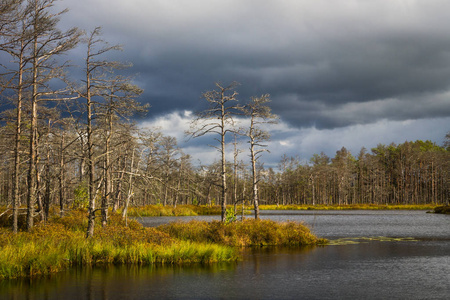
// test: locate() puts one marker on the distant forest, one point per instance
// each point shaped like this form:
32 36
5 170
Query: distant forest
71 142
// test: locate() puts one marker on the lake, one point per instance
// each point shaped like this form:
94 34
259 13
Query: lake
406 257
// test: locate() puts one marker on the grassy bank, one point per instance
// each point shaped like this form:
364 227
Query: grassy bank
197 210
61 243
349 207
179 210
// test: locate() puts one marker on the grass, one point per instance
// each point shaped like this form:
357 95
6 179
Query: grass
249 232
179 210
349 207
196 210
60 243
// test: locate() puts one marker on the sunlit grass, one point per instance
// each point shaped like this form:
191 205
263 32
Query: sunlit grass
194 210
249 232
61 244
349 207
179 210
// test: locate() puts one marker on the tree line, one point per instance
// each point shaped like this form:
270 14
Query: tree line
408 173
71 142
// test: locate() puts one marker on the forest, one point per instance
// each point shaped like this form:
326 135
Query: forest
72 141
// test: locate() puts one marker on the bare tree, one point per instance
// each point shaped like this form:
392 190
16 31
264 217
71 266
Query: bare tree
15 40
110 100
218 120
34 40
95 69
119 104
260 113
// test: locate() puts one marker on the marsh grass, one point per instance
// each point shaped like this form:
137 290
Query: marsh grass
61 244
179 210
195 210
249 232
349 207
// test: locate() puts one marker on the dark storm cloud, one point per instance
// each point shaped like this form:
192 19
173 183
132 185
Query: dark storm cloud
325 63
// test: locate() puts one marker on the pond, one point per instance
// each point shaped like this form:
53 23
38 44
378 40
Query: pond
408 257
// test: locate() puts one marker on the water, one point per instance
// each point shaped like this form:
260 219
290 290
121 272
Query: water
404 269
332 224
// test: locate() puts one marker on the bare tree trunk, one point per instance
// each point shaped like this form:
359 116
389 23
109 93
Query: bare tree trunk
108 177
31 196
254 181
61 177
259 113
16 182
130 189
119 184
47 196
91 170
223 175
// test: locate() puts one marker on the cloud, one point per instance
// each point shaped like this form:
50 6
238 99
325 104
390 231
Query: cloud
332 68
308 141
173 124
304 142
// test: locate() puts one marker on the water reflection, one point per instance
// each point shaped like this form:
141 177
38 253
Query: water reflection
350 223
377 270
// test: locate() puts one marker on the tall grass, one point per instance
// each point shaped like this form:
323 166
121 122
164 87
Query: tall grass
61 243
249 232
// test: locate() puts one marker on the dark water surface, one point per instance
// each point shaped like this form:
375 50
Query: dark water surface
374 269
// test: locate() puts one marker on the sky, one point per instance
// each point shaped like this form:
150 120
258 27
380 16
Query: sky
340 73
